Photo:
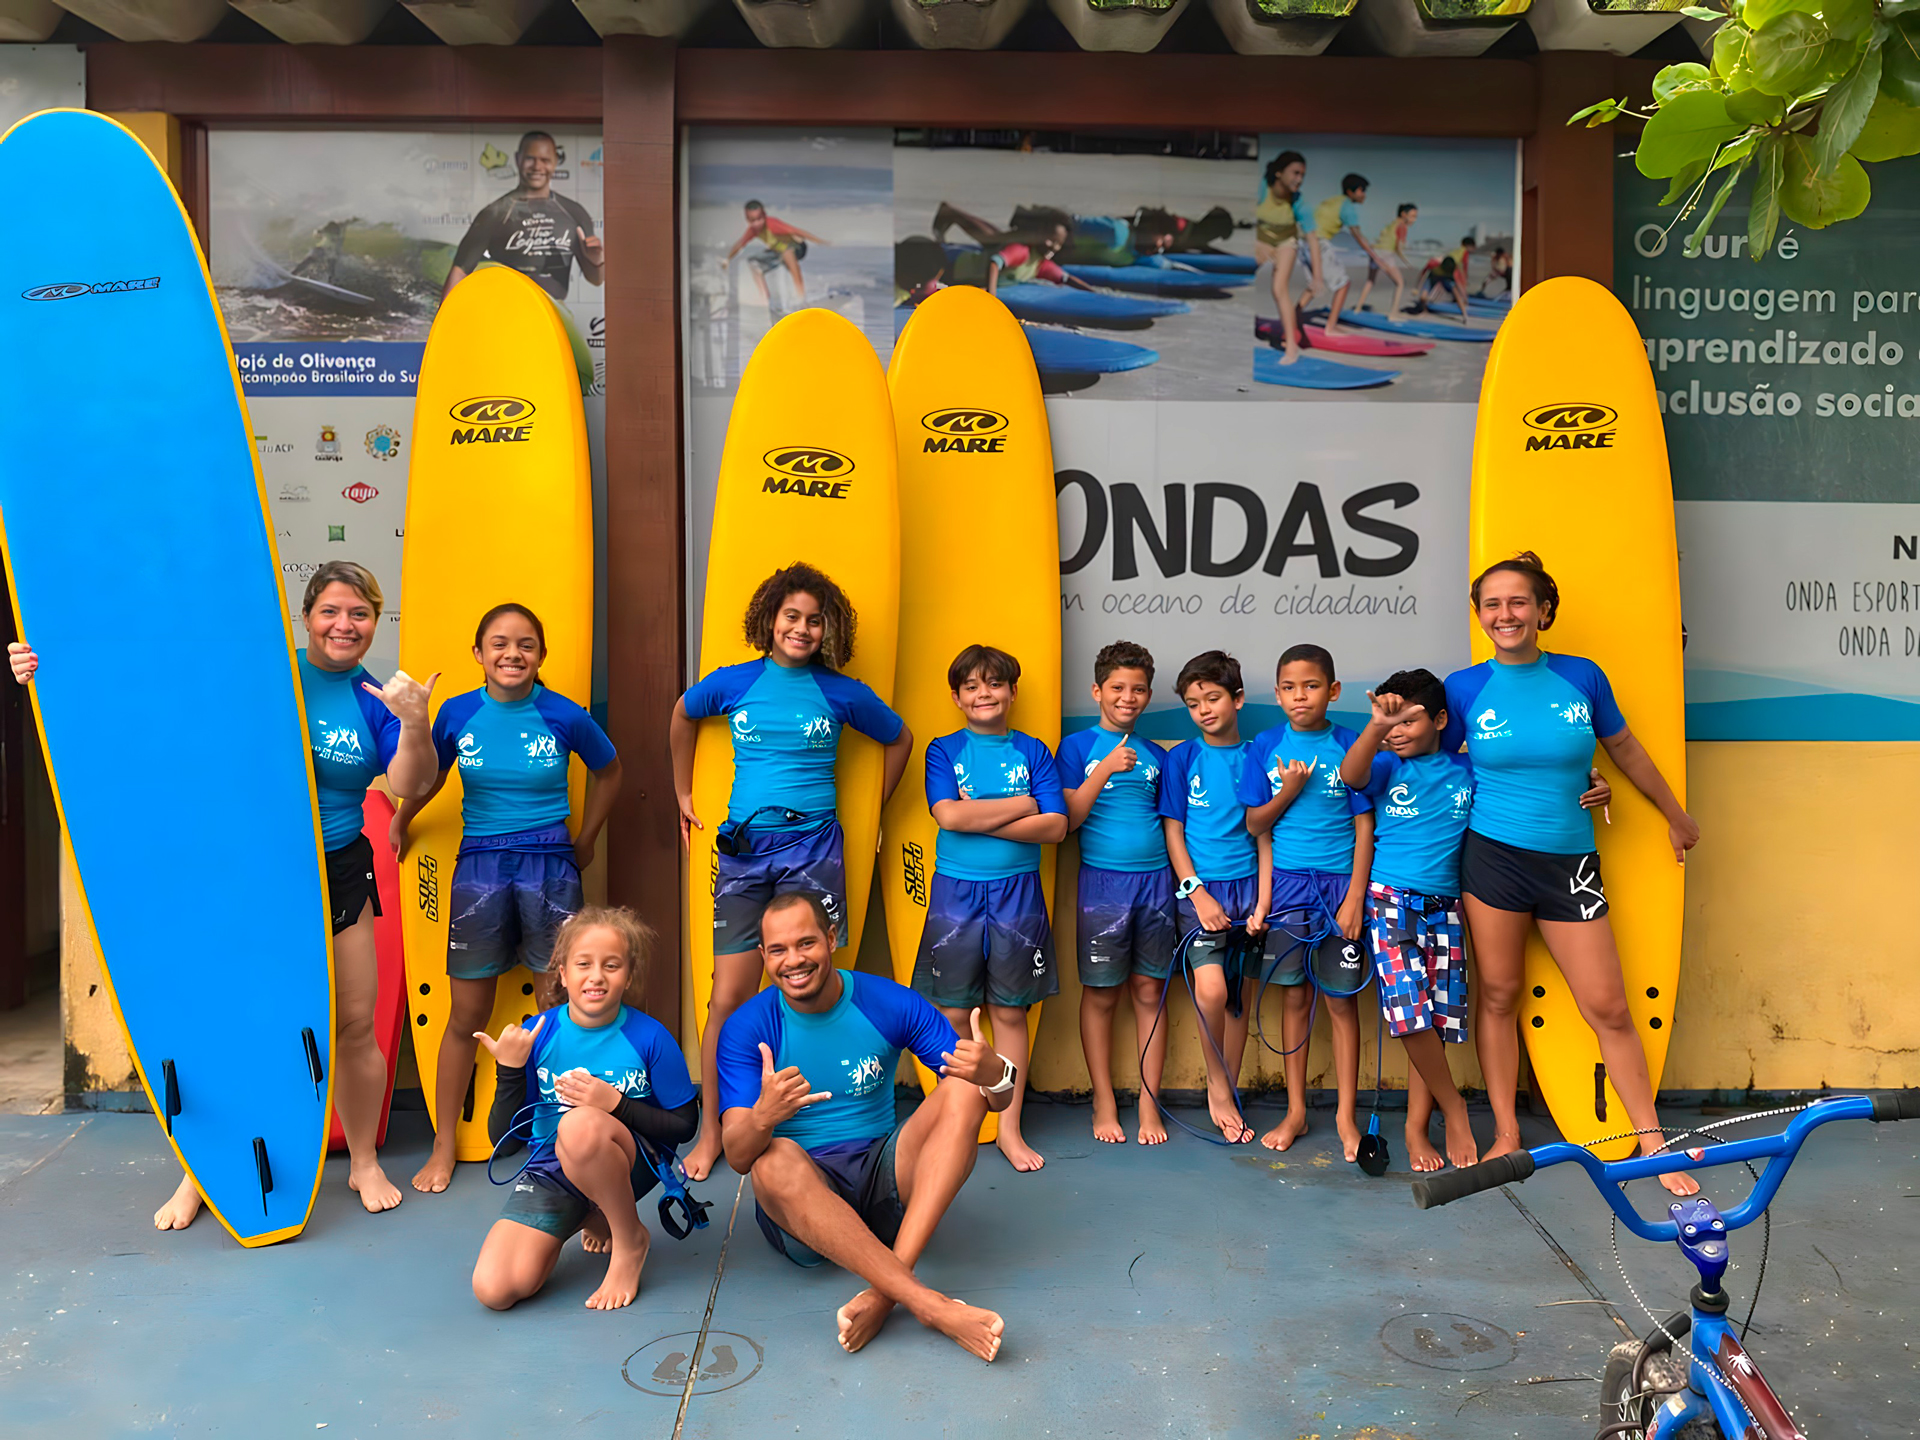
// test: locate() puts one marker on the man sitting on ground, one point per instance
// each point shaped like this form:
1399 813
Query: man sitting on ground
833 1177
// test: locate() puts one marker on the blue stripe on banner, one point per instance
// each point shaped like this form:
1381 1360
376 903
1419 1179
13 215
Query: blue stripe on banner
346 367
1805 717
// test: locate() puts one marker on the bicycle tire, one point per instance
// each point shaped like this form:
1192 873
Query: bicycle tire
1620 1407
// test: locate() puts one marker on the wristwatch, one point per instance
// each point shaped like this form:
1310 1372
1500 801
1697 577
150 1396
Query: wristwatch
1007 1077
1188 886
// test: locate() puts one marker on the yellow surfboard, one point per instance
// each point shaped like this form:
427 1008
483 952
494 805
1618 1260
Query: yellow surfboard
974 453
807 474
499 507
1569 460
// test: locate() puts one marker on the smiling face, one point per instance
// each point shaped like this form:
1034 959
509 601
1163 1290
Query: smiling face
340 627
799 625
798 954
1215 709
1304 692
985 702
511 654
537 163
1510 614
1122 697
1419 735
595 975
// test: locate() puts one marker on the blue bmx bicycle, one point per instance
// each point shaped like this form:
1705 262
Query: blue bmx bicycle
1690 1378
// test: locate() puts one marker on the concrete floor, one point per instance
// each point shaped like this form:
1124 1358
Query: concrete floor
30 1054
1182 1292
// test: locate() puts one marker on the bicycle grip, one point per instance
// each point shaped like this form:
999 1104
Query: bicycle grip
1900 1105
1451 1185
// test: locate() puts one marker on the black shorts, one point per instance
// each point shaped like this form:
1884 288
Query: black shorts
350 884
1543 884
860 1173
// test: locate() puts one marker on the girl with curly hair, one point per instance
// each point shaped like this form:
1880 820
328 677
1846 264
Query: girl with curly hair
782 830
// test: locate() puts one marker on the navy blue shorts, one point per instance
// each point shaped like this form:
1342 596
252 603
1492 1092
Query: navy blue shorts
1551 886
543 1199
780 863
986 942
1126 925
510 896
860 1172
1237 898
1305 902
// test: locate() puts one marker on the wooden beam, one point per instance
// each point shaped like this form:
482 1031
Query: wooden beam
1567 172
646 541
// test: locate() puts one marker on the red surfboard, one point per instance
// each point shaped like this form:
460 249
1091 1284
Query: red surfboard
390 1009
1345 343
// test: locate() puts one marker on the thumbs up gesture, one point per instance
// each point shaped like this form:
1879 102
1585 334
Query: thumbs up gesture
973 1059
783 1093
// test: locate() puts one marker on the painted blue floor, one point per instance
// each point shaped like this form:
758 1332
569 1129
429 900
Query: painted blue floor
1178 1292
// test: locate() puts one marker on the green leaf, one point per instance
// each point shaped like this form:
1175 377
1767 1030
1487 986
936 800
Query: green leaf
1786 55
1713 211
1845 111
1756 14
1847 19
1894 9
1892 131
1763 210
1730 60
1688 75
1598 113
1900 72
1755 107
1737 152
1701 12
1817 200
1688 128
1684 182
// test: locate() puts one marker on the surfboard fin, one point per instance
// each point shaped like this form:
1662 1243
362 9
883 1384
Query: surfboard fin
170 1094
314 1067
265 1171
1600 1091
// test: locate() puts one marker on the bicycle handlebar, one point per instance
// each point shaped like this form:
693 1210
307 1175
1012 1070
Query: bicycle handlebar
1609 1176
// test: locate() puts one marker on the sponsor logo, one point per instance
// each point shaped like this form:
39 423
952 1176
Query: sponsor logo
1401 794
819 732
914 863
1462 802
336 532
1576 712
327 447
469 757
359 492
266 446
294 495
492 420
543 749
67 290
428 878
593 161
1492 727
965 431
807 470
383 442
1571 427
745 732
495 161
1197 795
864 1076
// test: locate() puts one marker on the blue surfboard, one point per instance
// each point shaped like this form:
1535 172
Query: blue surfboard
1310 372
135 482
1412 325
1491 309
1068 352
1154 279
1201 260
1067 306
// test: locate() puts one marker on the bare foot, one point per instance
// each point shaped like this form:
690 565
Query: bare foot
861 1317
1420 1152
1106 1122
1505 1142
1022 1156
1227 1119
437 1173
1153 1130
1290 354
976 1331
704 1155
595 1237
1679 1182
180 1208
1282 1136
371 1184
1461 1149
623 1276
1349 1129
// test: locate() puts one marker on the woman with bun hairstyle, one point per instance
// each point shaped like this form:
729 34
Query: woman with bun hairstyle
517 878
358 731
1530 720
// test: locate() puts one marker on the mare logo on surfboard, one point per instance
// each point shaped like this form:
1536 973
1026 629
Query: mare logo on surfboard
811 470
491 420
965 431
1571 427
69 289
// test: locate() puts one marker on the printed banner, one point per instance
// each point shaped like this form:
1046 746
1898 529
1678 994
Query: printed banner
1149 273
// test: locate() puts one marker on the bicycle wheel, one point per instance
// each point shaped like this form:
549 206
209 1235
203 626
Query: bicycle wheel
1661 1373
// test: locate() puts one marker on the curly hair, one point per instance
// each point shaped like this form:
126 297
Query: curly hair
1122 655
1546 594
836 612
637 934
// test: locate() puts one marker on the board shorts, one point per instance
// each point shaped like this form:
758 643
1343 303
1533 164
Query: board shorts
1547 885
542 1198
1418 960
1305 902
779 862
861 1173
986 942
768 259
510 896
350 883
1333 265
1237 898
1126 925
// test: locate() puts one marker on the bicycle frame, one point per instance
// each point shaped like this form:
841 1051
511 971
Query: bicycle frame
1735 1402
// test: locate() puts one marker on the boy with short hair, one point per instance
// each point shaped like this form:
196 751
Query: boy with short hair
1221 866
1125 934
1422 798
1445 279
1390 257
995 794
1322 848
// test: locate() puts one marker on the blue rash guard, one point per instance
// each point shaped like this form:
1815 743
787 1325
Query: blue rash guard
1200 787
967 765
513 757
1420 807
1122 831
1315 832
850 1052
353 736
1530 731
786 723
633 1053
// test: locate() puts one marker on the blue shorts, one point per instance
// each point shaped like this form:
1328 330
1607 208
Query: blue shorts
1126 925
510 896
986 942
780 862
1237 898
1305 902
542 1198
860 1172
1418 960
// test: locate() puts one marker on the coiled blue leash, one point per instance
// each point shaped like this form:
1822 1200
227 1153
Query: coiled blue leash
680 1214
1236 937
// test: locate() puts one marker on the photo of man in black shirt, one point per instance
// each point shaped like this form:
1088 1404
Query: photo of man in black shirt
531 229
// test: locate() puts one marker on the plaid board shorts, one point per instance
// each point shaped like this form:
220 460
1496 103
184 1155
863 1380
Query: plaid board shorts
1418 960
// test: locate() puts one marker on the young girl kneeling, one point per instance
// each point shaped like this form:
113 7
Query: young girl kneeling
604 1078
